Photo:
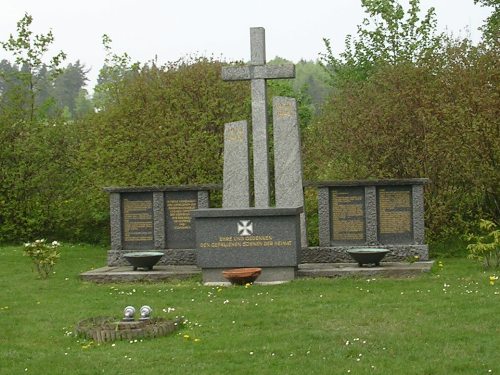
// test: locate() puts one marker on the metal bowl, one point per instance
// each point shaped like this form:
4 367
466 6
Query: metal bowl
242 276
143 259
368 255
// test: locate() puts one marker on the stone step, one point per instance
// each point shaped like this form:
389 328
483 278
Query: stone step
305 270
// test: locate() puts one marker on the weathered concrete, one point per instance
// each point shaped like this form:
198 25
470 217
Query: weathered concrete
387 269
126 274
305 270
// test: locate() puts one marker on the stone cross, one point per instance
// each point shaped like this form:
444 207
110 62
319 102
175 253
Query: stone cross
258 72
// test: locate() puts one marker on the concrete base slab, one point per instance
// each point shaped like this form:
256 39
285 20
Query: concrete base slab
225 283
127 274
386 269
278 276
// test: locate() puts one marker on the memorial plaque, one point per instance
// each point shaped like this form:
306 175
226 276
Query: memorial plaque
179 230
232 238
348 215
137 221
395 214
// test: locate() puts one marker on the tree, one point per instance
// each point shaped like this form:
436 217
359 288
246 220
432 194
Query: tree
67 86
491 28
157 125
387 36
29 51
438 120
112 75
37 144
313 79
12 93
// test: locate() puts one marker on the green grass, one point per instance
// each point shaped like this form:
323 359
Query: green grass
445 322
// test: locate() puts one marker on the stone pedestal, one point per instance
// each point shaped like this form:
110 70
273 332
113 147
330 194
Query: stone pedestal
236 238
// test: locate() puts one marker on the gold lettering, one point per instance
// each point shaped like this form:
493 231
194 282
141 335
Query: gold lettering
394 211
348 223
234 134
284 110
179 211
137 220
235 242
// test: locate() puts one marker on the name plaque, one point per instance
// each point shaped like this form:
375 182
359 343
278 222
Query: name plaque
179 230
348 215
395 214
137 221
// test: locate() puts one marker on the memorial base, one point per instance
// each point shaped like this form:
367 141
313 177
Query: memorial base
339 254
267 238
271 275
172 257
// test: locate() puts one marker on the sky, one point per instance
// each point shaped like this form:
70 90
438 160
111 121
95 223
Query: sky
168 30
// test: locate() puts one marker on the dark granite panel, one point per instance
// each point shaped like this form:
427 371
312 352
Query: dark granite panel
179 226
137 221
395 223
247 238
347 215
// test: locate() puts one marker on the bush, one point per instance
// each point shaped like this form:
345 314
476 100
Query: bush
43 255
486 246
438 119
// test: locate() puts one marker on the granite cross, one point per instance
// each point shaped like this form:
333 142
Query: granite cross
258 72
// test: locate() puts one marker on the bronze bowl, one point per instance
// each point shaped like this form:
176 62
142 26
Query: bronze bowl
368 255
143 259
242 276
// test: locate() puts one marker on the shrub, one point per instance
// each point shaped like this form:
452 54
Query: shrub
486 246
43 255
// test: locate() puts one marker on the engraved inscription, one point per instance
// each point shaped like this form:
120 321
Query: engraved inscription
137 216
179 232
245 242
284 110
394 211
234 134
179 211
348 210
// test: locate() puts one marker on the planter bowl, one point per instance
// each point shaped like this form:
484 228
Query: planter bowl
368 256
143 259
242 276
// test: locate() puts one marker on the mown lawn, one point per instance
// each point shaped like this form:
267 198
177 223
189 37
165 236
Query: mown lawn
445 322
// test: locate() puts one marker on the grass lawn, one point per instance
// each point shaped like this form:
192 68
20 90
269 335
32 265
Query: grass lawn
445 322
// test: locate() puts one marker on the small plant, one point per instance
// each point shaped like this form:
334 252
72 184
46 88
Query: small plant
486 246
413 259
43 255
493 278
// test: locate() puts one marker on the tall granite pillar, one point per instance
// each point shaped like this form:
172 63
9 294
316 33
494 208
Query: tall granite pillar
287 158
236 191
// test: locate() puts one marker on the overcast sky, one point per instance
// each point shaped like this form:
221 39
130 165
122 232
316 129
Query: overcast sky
173 29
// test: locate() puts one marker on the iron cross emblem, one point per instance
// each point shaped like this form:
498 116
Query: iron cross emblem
245 228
